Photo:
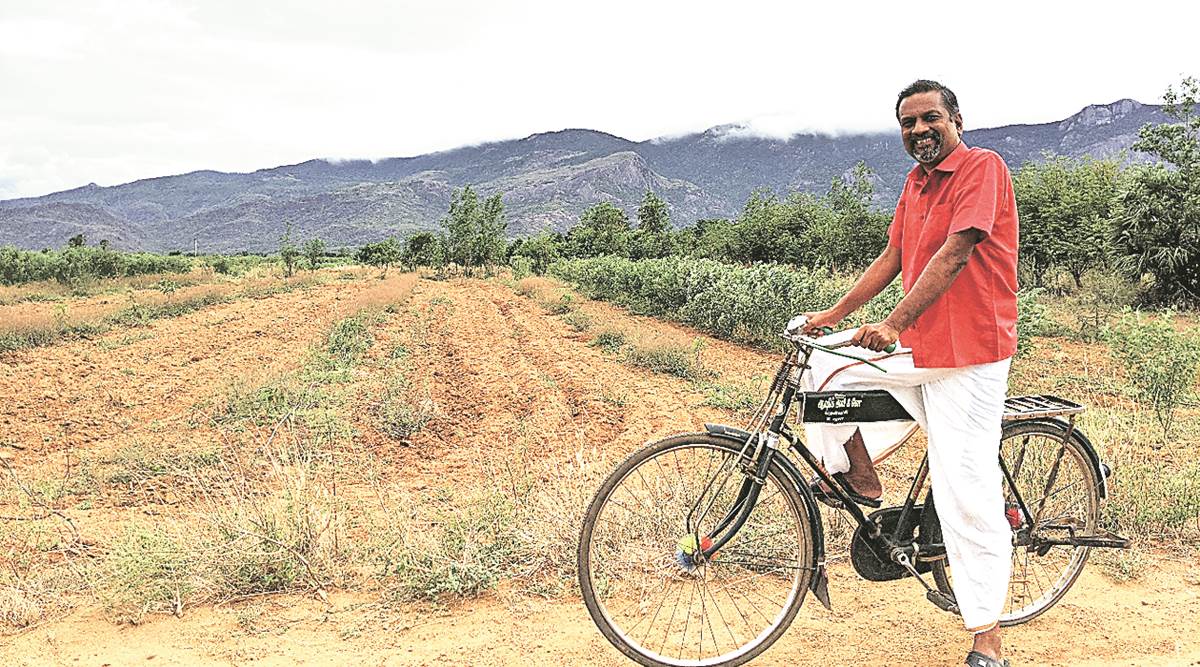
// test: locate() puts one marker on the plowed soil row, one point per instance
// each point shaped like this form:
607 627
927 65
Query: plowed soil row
84 393
507 377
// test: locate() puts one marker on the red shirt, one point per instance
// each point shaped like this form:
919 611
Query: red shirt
975 320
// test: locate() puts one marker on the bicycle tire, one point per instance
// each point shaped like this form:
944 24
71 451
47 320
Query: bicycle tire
1060 566
601 545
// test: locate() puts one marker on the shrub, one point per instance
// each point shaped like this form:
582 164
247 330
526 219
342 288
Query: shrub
670 359
147 570
402 412
609 340
1031 318
1103 295
457 551
521 267
578 320
348 341
221 265
1160 361
1148 503
748 304
560 306
77 265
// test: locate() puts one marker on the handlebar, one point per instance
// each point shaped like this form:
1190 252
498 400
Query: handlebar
798 324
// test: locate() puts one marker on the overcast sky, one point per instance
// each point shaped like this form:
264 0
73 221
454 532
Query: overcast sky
109 92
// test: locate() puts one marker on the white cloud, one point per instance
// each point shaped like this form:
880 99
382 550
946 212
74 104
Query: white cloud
114 91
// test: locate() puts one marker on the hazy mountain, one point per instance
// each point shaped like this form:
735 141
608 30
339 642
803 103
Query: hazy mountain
547 180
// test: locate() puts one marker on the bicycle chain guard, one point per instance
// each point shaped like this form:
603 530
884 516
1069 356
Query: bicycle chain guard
870 556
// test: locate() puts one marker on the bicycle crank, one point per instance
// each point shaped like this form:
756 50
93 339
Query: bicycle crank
938 598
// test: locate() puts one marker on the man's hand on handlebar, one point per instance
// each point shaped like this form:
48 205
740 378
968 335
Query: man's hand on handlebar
820 322
876 337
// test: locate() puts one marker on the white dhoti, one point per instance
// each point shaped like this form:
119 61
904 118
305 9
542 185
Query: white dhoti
960 410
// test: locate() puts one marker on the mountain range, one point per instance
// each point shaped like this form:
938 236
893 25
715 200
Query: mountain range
546 180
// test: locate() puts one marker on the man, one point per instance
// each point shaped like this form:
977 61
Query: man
954 242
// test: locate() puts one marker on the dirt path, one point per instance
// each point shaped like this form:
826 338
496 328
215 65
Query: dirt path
506 376
1099 623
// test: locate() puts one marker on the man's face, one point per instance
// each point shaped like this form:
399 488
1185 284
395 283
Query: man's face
929 132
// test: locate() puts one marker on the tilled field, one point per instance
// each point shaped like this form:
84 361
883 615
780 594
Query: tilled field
509 382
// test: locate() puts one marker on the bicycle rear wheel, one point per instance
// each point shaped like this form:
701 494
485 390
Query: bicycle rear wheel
1034 452
641 575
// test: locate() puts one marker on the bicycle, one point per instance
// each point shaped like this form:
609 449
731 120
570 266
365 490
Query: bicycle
718 535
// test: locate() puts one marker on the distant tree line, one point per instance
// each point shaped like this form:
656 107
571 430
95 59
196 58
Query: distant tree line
837 231
1141 221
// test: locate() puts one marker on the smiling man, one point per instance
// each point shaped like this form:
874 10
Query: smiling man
953 241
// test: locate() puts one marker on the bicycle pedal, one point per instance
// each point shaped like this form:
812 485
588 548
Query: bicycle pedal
942 601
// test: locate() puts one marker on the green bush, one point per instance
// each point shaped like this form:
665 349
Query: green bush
609 340
1148 503
76 265
1160 361
578 320
1031 318
521 266
348 341
463 551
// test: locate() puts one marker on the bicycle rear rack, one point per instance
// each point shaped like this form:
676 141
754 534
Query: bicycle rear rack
1038 407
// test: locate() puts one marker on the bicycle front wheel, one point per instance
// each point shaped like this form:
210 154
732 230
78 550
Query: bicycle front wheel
641 570
1060 487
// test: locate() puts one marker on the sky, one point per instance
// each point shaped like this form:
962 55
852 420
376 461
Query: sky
108 92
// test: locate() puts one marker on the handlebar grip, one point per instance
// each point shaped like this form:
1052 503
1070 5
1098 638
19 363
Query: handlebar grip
890 348
825 331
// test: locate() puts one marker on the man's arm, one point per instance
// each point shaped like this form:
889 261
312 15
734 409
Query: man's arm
879 275
943 268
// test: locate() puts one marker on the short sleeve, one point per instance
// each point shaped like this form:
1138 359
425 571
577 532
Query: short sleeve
896 229
982 196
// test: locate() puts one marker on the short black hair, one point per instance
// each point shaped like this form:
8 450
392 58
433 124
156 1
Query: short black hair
927 86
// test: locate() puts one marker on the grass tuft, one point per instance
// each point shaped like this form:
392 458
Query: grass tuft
578 320
609 340
670 359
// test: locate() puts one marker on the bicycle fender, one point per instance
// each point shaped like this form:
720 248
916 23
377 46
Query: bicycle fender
1102 471
820 581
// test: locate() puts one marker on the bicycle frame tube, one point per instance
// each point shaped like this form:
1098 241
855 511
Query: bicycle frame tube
780 399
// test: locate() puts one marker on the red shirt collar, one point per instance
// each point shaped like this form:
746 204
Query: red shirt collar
949 163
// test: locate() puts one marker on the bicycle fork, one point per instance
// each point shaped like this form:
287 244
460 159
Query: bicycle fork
743 504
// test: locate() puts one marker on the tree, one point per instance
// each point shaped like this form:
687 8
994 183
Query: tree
652 238
850 235
314 250
653 217
423 249
288 251
381 255
489 243
474 232
603 229
542 250
714 239
77 241
1066 208
1158 226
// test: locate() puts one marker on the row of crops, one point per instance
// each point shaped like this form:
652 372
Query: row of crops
744 303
